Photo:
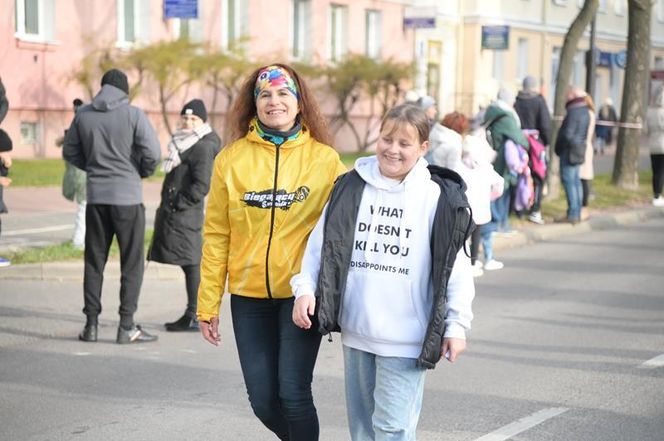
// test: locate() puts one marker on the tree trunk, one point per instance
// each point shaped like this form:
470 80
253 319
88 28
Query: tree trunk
626 166
567 53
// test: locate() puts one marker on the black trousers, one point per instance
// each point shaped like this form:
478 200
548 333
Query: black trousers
127 223
657 163
192 278
277 360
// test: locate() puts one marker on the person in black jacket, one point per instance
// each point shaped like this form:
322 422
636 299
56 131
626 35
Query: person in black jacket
4 104
534 114
571 148
178 224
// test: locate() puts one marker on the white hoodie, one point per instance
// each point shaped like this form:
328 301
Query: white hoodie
389 291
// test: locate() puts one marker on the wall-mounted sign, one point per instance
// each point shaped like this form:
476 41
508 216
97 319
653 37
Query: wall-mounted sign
419 17
620 58
180 8
495 37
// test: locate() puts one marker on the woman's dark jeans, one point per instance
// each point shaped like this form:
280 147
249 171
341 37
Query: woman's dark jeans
277 360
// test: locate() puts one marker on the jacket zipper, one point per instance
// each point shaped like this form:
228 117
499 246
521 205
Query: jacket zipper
272 215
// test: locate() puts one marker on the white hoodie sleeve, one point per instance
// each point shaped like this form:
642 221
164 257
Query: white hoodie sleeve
304 283
460 295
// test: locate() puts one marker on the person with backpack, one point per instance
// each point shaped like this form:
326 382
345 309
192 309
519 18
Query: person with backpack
534 114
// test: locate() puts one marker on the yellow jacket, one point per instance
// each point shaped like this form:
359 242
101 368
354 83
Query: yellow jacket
260 247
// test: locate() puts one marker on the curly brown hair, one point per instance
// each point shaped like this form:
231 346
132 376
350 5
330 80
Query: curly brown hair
244 108
456 121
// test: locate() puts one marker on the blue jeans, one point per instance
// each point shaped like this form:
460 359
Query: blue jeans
500 211
486 235
383 396
277 360
569 177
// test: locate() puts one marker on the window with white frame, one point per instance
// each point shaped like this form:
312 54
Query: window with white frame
29 132
619 7
133 19
233 23
338 36
658 63
660 11
301 42
498 66
374 32
522 58
190 28
35 20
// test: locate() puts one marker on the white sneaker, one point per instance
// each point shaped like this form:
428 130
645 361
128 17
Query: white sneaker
658 201
4 262
536 218
493 265
477 270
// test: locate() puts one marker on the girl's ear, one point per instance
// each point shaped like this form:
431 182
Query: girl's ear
424 148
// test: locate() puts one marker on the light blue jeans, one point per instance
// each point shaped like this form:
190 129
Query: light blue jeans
569 176
383 396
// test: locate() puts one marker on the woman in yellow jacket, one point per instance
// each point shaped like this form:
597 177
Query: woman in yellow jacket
269 186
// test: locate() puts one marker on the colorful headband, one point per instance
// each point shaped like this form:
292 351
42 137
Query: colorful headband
274 76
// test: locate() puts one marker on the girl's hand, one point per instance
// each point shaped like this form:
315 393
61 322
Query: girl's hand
452 348
6 160
4 181
210 331
302 309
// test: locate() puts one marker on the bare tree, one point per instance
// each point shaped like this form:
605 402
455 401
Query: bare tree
574 34
626 166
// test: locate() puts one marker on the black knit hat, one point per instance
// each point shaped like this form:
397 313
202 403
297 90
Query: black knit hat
195 107
5 142
116 78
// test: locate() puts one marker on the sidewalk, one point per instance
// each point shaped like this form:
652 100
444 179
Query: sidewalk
531 233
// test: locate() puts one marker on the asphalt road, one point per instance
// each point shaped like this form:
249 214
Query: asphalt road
564 346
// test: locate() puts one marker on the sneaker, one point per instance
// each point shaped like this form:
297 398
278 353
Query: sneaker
477 271
4 262
657 202
134 335
493 265
536 218
89 333
183 324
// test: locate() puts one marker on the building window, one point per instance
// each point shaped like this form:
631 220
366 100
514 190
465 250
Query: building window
133 22
29 132
35 20
301 29
233 23
660 11
619 7
498 66
190 29
560 2
522 58
579 69
373 37
338 32
659 63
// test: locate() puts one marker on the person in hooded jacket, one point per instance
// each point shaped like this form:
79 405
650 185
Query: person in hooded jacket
571 144
115 144
655 131
534 114
385 265
269 186
446 139
177 238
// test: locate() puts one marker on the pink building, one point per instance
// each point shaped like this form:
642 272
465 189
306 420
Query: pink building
43 43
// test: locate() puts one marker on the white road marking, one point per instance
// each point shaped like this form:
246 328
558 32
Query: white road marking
36 230
82 353
654 362
523 424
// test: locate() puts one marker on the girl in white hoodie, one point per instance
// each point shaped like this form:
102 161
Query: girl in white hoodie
386 306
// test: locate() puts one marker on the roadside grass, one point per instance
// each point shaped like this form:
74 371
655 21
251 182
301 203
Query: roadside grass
63 252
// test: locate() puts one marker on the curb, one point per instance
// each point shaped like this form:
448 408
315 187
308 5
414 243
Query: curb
73 271
543 233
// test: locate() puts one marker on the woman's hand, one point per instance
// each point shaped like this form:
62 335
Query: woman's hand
452 348
210 331
302 309
4 181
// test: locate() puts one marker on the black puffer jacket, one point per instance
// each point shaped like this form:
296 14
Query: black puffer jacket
452 226
534 114
177 237
573 133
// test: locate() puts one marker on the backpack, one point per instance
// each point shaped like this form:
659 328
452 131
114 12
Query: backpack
536 156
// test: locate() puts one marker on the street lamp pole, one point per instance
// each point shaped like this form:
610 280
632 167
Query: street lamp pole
591 60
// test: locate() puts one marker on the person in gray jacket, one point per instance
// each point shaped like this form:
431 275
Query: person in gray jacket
115 144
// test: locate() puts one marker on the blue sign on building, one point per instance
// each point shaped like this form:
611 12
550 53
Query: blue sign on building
419 22
495 37
180 8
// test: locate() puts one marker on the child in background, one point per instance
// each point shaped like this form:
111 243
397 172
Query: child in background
5 165
386 265
484 186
